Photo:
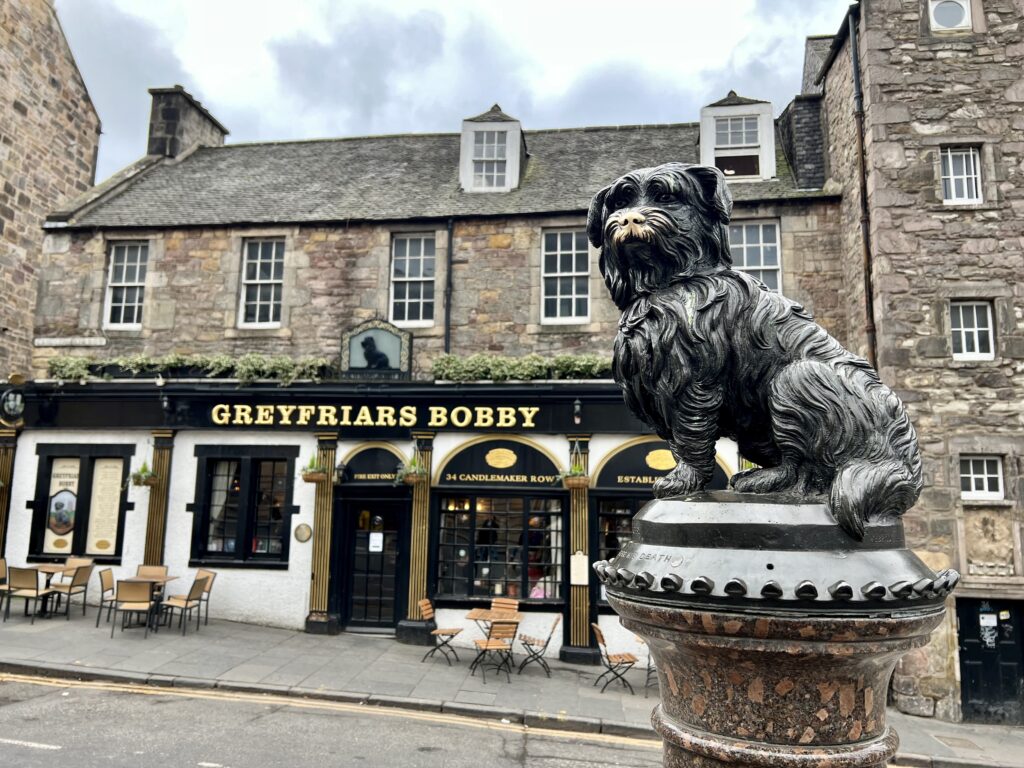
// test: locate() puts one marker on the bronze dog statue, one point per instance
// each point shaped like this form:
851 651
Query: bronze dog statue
705 351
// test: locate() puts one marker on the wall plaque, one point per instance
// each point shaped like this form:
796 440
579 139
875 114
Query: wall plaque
376 350
104 506
62 506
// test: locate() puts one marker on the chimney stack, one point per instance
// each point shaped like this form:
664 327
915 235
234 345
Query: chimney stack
178 122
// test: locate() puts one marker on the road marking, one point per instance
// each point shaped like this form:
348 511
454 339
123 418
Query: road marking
333 706
29 744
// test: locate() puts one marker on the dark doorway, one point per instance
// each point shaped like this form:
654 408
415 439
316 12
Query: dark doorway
375 540
991 661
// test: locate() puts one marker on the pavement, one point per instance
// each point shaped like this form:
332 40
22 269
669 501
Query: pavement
376 670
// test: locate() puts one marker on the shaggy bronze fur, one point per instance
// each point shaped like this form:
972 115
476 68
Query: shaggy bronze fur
704 351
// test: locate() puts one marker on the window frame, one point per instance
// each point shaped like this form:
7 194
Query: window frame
972 357
243 283
432 281
574 275
526 496
986 495
966 26
87 454
622 499
760 223
946 151
247 455
108 300
484 159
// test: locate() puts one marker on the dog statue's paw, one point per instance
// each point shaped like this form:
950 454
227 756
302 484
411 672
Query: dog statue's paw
682 480
764 479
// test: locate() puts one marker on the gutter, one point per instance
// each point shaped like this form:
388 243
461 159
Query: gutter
448 288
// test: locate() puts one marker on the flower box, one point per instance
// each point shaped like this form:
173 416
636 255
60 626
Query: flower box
148 480
315 477
576 481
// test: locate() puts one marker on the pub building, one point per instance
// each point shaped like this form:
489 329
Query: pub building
486 515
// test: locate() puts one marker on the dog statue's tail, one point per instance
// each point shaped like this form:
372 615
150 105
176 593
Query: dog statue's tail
863 490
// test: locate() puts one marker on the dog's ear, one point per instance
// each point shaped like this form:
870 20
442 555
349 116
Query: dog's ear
595 218
716 192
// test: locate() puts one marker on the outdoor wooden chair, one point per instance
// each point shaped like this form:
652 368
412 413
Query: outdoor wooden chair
3 579
133 597
507 604
497 648
79 585
72 563
442 637
106 593
205 598
537 647
24 583
185 604
158 571
616 664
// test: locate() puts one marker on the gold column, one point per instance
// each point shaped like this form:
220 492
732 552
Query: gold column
420 533
319 619
8 444
579 541
156 522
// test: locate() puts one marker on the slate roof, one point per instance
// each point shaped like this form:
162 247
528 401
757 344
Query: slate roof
492 115
381 178
732 100
815 51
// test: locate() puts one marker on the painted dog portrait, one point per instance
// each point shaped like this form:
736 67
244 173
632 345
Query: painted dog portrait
705 351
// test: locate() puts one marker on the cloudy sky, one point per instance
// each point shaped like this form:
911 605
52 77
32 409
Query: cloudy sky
287 69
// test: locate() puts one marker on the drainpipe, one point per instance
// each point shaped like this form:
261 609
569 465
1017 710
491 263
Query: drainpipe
865 214
448 289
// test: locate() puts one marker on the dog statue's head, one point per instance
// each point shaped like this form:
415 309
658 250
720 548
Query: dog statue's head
659 225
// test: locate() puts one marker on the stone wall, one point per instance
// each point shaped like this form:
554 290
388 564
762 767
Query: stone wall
800 127
336 277
923 91
49 132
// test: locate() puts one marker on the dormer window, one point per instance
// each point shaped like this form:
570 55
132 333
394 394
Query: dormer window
491 152
737 135
489 159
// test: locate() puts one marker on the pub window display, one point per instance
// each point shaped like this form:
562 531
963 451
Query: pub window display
500 547
80 502
245 512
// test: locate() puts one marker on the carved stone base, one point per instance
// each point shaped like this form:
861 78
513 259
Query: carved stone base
772 691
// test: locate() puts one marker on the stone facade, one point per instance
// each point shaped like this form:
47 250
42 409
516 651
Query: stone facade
336 277
49 134
923 91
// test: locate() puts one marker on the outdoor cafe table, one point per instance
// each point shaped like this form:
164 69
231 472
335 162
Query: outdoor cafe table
485 616
49 570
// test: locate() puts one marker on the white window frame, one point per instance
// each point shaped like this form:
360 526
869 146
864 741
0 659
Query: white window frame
573 274
392 279
108 303
489 153
972 161
963 331
966 26
985 475
467 151
244 282
709 148
744 246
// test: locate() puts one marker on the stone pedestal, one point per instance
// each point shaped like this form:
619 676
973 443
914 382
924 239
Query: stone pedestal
773 633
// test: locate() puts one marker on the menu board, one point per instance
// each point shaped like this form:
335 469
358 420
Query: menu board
104 506
61 507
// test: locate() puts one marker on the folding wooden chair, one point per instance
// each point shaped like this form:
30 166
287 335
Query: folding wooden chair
79 585
507 604
498 644
616 664
536 648
442 637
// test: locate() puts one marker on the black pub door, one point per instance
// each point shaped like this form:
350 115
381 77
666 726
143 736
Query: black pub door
991 661
375 583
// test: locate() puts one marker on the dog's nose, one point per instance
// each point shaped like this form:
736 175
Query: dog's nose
632 217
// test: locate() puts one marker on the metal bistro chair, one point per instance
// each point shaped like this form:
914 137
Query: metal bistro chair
443 636
185 604
133 597
498 644
79 585
106 593
205 597
536 648
24 583
616 664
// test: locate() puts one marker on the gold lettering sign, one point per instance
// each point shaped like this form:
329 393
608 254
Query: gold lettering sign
500 458
347 415
660 459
